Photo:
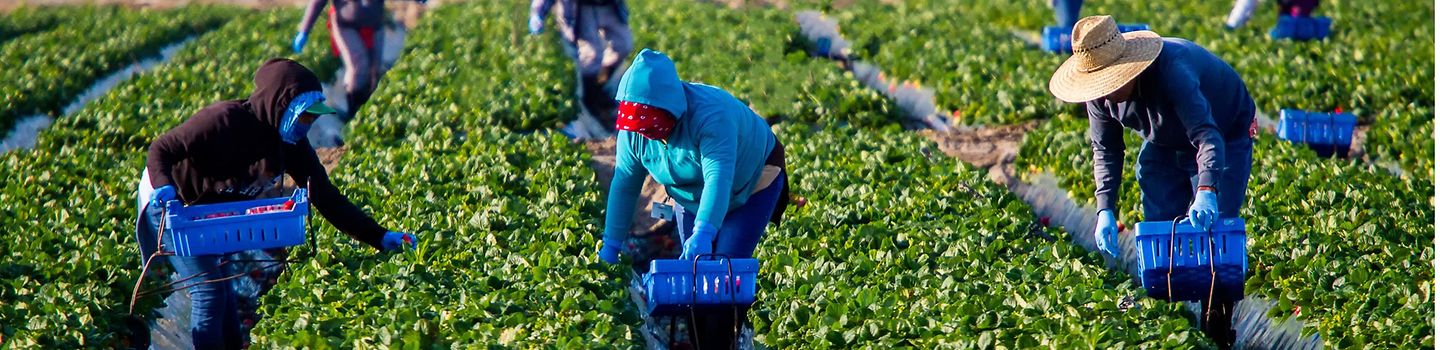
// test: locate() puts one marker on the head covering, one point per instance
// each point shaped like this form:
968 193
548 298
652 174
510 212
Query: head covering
1104 61
652 80
277 83
652 122
283 90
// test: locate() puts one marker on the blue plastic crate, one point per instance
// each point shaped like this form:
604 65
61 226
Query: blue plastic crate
670 283
226 228
1057 38
1301 28
1327 133
1188 276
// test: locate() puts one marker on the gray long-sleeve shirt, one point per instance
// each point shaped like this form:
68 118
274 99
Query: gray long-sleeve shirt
349 13
1187 100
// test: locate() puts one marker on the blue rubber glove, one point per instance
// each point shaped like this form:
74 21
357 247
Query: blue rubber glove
701 242
397 240
1204 210
298 44
537 25
609 253
161 195
1107 233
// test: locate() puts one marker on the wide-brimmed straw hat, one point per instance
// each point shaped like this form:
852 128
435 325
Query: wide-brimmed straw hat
1104 59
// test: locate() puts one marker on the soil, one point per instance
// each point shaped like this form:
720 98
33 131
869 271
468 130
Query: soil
602 159
992 148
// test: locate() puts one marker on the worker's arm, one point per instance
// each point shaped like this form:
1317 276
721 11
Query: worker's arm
718 138
193 139
1107 141
624 188
1182 89
306 170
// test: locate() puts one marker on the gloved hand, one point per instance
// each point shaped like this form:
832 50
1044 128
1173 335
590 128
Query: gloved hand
1204 210
701 242
397 240
537 24
161 195
298 44
1107 233
609 253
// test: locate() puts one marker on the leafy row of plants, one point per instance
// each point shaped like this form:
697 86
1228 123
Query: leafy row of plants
46 70
758 55
1376 64
1346 243
26 20
897 248
508 219
67 283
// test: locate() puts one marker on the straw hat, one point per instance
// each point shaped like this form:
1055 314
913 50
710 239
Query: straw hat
1104 61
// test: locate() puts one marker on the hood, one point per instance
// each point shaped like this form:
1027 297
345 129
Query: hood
652 80
277 82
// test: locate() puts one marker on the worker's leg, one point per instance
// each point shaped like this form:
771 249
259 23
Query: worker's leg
357 67
1067 12
590 51
745 225
1217 320
377 57
1240 13
1165 188
214 319
620 42
147 219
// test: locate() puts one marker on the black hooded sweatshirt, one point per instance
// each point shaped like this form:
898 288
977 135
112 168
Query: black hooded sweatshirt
232 151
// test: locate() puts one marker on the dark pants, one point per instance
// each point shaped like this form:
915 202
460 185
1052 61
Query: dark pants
716 327
214 315
1168 179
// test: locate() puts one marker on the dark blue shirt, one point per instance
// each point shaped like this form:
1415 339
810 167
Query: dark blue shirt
1187 100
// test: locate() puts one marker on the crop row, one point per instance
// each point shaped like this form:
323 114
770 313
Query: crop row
46 70
508 219
1377 64
1347 244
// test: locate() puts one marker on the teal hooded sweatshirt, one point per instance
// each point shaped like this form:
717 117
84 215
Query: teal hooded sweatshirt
712 159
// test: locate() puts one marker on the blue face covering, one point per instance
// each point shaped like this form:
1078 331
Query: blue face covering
291 129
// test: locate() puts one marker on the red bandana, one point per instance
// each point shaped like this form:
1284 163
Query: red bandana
652 122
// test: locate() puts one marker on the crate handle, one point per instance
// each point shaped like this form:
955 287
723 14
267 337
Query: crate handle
1210 247
694 293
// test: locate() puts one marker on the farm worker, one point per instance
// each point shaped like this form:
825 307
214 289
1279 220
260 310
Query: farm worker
715 157
1242 10
1066 11
233 151
600 32
357 36
1193 111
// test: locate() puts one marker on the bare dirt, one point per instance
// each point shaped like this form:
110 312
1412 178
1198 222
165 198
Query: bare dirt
602 159
992 148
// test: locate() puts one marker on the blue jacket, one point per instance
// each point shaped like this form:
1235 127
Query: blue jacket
712 159
1187 100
